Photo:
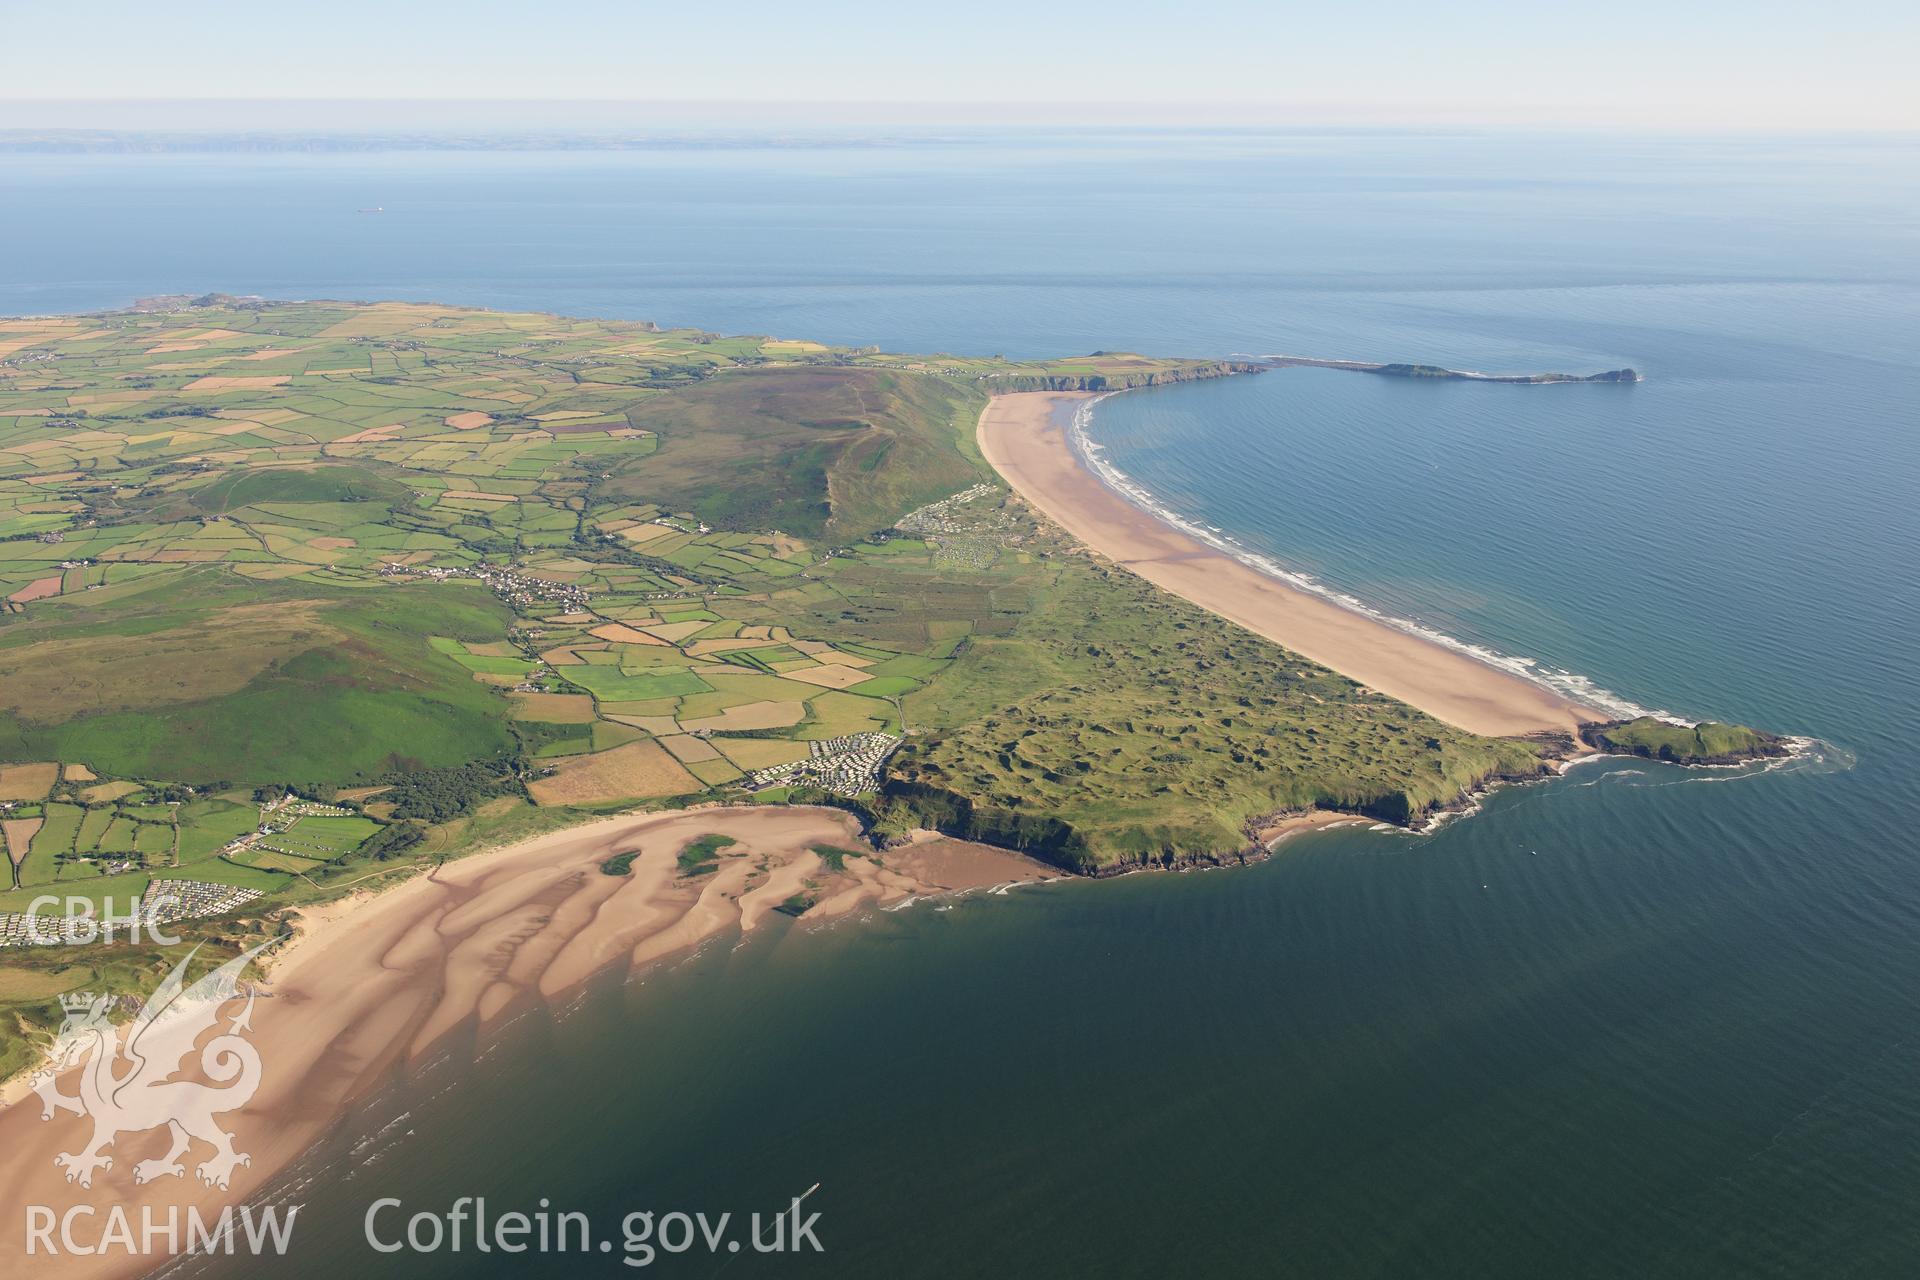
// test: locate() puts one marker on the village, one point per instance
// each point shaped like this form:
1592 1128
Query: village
513 587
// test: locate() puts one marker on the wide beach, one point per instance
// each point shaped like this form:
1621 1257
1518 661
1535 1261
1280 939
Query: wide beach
372 982
1027 439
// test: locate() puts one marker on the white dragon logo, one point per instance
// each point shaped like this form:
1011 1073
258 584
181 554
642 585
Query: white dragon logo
121 1100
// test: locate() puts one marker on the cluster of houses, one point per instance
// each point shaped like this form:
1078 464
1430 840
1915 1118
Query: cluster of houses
272 822
164 901
510 585
848 766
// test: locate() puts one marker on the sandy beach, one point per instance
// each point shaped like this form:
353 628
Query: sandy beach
1025 437
372 981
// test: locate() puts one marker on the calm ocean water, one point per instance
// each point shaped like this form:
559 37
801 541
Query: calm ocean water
1634 1022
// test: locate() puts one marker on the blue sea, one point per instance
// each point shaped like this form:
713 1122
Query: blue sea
1634 1022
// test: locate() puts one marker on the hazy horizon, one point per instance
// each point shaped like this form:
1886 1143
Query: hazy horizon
1707 66
592 117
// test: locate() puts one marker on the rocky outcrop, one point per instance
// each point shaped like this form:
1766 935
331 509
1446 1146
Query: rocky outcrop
1706 743
1530 379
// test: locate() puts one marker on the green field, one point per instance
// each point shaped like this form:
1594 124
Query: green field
321 838
53 841
206 825
205 676
77 850
617 686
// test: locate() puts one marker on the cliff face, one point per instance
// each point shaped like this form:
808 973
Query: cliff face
1048 839
1000 383
1059 843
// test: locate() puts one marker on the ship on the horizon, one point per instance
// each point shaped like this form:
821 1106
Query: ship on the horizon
375 209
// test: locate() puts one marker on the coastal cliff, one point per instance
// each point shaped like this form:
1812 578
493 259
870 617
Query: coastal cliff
1058 841
1116 380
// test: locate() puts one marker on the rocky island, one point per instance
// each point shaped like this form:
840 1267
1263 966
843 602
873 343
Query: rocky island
1706 743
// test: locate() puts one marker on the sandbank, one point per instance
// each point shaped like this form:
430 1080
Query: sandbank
371 982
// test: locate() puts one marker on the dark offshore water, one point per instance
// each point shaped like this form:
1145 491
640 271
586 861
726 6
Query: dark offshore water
1634 1022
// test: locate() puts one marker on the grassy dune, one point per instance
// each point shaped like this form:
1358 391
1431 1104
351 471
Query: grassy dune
1105 723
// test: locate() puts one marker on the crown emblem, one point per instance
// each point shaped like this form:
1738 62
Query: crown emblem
74 1001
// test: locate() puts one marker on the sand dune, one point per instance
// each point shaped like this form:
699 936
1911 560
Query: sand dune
1025 437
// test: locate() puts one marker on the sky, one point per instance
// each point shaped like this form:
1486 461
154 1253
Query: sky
1699 64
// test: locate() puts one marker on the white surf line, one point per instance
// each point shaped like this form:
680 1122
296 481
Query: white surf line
1567 684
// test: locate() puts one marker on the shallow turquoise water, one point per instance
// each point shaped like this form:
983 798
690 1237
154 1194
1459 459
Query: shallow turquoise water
1635 1022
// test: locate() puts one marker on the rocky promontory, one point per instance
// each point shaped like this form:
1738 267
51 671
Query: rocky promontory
1401 370
1708 742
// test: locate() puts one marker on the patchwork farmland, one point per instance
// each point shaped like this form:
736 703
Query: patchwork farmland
459 567
70 834
379 547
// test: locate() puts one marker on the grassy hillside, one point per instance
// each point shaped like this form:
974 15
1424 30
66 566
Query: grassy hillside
830 453
199 676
